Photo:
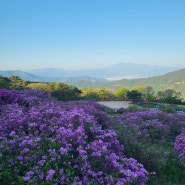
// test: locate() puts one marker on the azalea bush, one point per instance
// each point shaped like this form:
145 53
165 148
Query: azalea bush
149 137
44 141
153 126
180 146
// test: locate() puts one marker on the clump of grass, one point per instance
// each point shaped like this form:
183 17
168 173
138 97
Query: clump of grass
135 108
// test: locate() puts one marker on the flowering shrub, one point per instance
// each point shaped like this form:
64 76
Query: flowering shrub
148 136
153 126
97 110
52 142
9 97
180 146
22 97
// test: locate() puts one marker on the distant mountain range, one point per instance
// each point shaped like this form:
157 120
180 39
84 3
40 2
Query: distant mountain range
34 78
118 71
164 81
167 80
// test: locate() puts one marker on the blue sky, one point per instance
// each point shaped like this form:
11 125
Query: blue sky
74 34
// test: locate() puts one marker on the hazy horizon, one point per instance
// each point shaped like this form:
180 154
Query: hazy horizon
89 68
91 34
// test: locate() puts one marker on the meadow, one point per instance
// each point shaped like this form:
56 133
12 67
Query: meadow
48 142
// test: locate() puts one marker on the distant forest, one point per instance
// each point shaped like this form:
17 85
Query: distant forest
66 92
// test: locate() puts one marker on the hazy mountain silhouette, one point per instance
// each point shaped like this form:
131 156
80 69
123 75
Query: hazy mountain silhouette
118 71
34 78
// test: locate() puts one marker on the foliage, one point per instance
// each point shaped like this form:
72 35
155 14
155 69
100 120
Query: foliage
169 96
138 88
67 92
174 80
45 141
134 95
4 82
90 94
148 94
38 86
51 142
17 83
97 94
149 137
105 95
121 94
60 91
135 108
63 92
180 146
167 109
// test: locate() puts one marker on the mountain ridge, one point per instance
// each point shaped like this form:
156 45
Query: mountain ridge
34 78
120 70
172 80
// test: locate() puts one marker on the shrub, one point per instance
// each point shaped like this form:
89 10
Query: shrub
52 142
180 146
149 136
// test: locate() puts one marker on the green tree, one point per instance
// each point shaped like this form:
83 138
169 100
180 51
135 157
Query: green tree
105 95
17 83
134 95
169 96
149 94
138 88
63 92
51 87
121 93
90 94
4 82
38 86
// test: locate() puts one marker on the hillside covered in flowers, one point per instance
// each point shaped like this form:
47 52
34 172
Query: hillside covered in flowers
44 141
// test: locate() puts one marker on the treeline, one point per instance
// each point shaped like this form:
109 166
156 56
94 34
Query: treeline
66 92
60 91
136 94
